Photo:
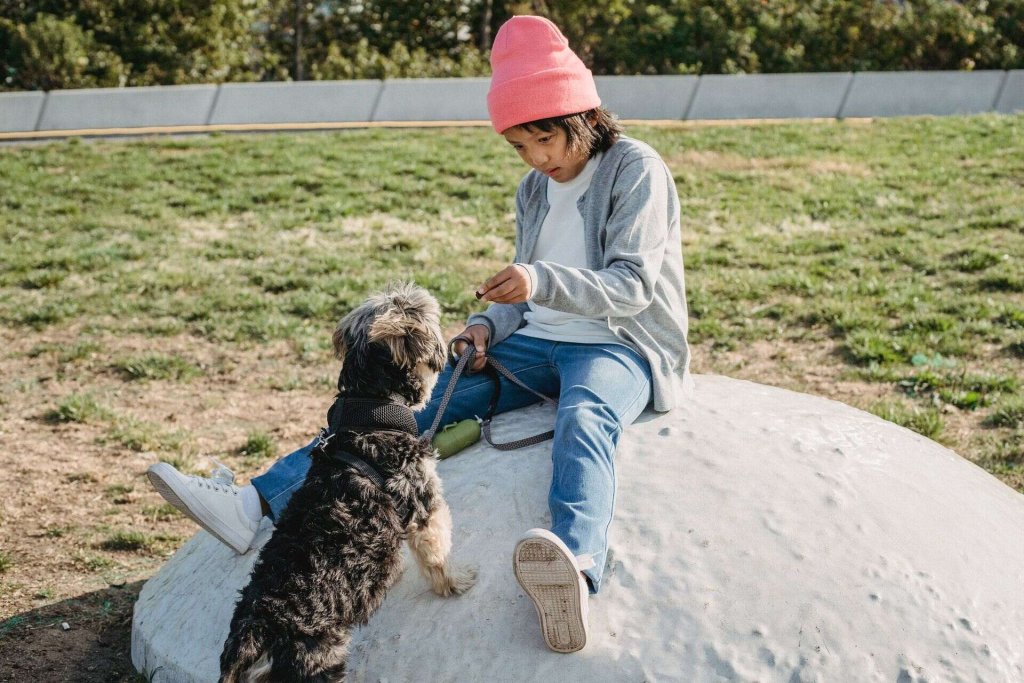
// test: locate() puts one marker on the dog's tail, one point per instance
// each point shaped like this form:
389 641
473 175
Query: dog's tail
245 658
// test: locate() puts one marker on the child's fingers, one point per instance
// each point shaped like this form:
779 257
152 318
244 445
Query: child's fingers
501 292
495 280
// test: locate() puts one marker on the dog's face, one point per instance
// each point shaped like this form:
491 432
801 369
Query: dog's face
392 345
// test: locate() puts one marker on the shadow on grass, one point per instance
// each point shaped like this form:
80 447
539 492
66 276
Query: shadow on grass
96 648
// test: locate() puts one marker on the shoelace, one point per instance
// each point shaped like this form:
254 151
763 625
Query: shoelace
221 479
221 474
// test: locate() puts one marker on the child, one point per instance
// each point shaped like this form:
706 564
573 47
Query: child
592 311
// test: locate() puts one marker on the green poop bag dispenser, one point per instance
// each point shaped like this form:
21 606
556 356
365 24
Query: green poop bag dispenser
455 437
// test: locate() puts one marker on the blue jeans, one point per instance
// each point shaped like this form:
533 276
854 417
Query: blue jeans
600 389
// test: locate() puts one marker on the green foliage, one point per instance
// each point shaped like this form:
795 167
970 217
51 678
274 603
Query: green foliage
80 43
739 36
5 562
54 44
52 52
363 61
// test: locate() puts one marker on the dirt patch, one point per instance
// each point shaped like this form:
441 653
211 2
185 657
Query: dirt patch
86 639
71 488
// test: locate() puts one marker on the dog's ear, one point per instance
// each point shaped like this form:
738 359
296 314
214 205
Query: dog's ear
351 330
409 325
338 339
406 337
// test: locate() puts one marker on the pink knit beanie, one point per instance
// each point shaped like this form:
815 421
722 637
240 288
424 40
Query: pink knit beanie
534 75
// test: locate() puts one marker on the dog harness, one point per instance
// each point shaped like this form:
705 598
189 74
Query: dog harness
356 414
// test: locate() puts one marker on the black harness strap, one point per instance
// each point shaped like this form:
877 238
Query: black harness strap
355 414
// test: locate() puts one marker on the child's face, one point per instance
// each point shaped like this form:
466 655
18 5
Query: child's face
547 152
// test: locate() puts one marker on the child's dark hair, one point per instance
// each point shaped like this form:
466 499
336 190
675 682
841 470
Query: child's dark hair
588 132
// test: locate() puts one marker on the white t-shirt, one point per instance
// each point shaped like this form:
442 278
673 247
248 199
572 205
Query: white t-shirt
561 241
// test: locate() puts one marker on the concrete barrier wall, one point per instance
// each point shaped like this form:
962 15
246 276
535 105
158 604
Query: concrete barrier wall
433 99
20 110
178 105
771 96
303 102
938 93
1011 98
647 97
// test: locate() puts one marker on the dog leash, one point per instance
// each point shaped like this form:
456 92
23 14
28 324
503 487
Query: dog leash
492 367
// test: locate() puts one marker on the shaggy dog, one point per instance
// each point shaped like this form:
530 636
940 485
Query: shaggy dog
336 547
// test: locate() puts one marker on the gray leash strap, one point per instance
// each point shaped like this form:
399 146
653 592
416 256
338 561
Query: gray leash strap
456 373
485 426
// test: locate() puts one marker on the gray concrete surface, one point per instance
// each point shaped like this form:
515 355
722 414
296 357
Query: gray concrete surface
19 111
917 93
304 102
810 95
433 99
1011 99
646 97
769 96
759 535
178 105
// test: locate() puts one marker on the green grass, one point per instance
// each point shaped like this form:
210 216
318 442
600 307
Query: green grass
924 420
81 408
127 541
258 446
160 513
141 436
154 366
120 494
5 562
898 242
91 562
1009 414
67 354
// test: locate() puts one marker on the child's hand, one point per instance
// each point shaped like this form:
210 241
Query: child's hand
478 335
510 285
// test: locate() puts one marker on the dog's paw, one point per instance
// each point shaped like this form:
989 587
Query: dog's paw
460 580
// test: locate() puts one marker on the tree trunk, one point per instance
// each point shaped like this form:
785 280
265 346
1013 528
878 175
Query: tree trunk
299 21
485 26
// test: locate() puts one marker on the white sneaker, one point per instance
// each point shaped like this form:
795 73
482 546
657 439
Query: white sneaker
549 574
211 503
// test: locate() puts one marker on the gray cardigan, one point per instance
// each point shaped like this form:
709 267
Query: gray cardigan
635 264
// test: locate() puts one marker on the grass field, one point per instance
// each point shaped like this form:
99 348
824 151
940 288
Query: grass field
173 298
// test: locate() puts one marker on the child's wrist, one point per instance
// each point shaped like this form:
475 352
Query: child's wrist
531 274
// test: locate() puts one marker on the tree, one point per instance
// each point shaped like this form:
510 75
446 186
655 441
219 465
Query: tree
51 52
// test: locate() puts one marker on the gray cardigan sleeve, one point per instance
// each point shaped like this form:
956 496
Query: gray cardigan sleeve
634 246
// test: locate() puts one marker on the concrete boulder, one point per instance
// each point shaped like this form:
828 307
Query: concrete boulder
760 535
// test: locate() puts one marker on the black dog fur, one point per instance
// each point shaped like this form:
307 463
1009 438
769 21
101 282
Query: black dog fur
335 550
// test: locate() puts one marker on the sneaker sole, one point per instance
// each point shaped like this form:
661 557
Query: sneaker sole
552 582
166 490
